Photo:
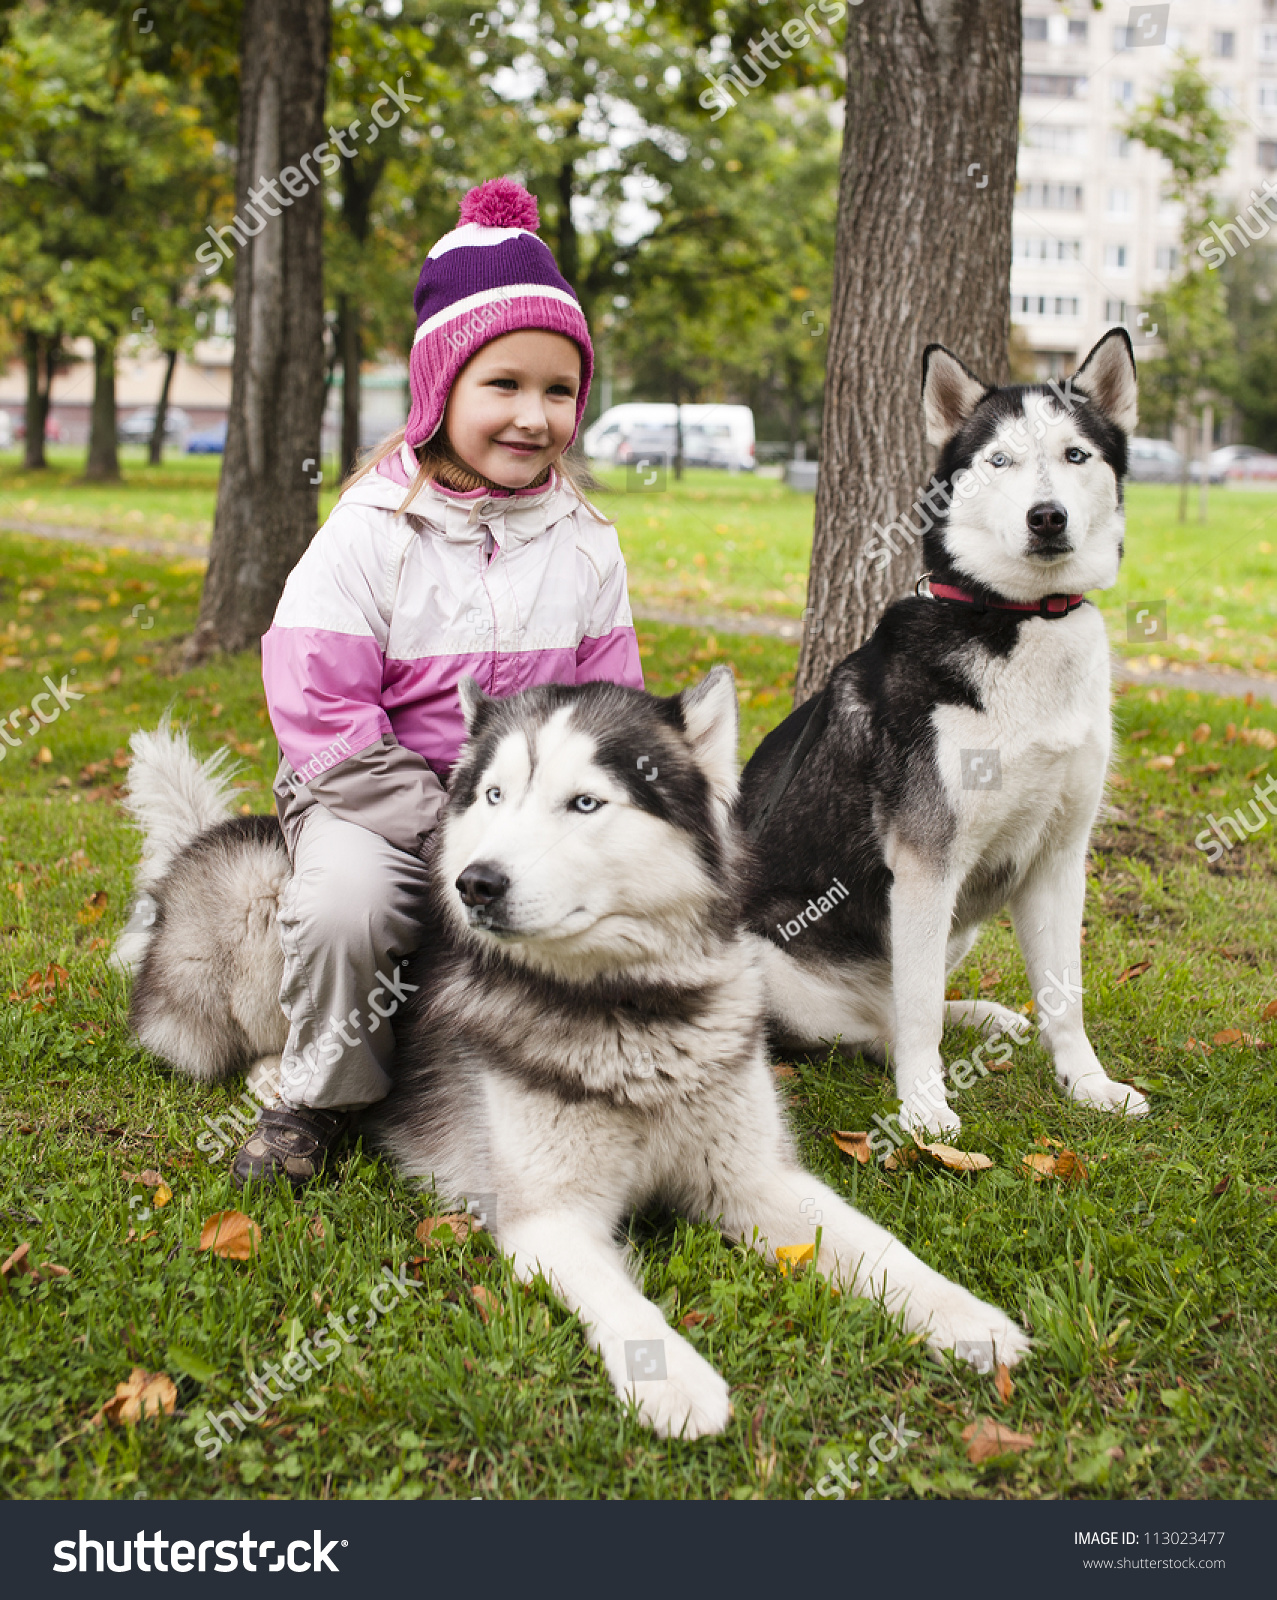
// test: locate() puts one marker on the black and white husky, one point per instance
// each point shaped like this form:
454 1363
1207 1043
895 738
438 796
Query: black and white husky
589 1034
962 750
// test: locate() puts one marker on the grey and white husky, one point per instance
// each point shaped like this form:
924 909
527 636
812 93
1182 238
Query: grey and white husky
962 750
588 1036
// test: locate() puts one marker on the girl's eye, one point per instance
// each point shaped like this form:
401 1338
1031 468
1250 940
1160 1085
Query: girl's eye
562 391
998 459
585 803
493 796
1076 456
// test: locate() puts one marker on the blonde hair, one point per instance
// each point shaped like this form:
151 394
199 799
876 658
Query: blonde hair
436 458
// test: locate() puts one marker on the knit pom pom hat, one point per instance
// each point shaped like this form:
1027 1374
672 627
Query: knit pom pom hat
490 276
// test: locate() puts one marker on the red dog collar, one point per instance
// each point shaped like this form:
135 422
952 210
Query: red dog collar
1051 605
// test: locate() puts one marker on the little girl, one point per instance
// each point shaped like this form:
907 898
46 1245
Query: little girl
461 548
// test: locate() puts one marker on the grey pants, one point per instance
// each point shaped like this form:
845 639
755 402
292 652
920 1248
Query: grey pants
348 921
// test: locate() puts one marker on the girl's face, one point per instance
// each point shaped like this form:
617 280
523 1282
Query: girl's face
513 405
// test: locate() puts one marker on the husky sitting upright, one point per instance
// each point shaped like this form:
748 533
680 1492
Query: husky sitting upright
589 1033
963 748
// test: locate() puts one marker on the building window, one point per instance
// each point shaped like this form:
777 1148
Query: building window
1123 92
1223 44
1035 247
1077 32
1267 154
1225 97
1035 30
1119 202
1115 257
1268 94
1062 139
1167 258
1124 38
1057 85
1045 305
1115 311
1053 196
1120 146
1268 43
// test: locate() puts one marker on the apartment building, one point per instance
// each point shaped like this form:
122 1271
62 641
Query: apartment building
1094 235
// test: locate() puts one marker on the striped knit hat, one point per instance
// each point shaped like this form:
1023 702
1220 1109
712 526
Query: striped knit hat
490 276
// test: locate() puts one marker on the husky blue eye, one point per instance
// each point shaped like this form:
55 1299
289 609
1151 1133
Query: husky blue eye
493 796
1076 456
585 803
997 459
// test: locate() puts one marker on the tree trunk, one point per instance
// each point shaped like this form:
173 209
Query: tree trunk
37 408
267 503
350 342
103 465
568 252
155 455
922 255
1208 439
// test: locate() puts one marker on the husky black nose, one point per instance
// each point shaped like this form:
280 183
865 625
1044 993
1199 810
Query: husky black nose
1048 519
482 883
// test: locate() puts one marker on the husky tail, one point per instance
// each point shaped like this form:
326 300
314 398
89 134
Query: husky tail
173 797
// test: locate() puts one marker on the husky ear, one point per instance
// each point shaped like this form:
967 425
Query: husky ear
472 700
950 393
711 720
1107 378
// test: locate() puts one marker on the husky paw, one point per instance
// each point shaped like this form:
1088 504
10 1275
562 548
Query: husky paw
1098 1089
934 1120
689 1401
976 1333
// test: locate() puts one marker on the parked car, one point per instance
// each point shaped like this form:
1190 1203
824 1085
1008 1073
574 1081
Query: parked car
727 431
208 441
1154 461
704 445
1255 465
1221 460
139 425
52 430
6 430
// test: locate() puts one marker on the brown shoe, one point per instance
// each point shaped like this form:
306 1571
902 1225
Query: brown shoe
289 1144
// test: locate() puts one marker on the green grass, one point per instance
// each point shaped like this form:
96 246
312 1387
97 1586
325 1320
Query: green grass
1150 1288
723 543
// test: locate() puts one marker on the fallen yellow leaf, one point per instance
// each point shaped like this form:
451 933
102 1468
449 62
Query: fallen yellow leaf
230 1234
1004 1384
1040 1165
854 1144
145 1394
793 1255
957 1160
460 1222
987 1438
485 1301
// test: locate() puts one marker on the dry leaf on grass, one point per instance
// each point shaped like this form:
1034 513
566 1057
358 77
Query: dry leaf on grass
93 908
789 1256
149 1177
854 1144
956 1160
146 1394
1201 733
694 1319
486 1303
230 1234
1137 971
784 1070
1232 1036
1160 763
17 1263
1003 1383
1040 1165
987 1438
317 1230
1269 1012
905 1156
460 1223
1065 1165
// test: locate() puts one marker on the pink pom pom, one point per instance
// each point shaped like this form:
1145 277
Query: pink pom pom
500 203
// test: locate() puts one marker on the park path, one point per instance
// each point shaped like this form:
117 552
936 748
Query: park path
1222 681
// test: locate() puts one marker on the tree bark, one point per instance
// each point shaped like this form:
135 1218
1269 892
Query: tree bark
267 499
350 344
922 255
37 407
155 454
103 464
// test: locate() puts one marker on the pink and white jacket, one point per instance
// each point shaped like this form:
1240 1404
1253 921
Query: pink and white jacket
385 613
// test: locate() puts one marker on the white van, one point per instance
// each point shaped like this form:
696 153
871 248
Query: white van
723 435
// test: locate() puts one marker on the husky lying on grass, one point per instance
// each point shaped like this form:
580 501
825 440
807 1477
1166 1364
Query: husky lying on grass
589 1033
955 763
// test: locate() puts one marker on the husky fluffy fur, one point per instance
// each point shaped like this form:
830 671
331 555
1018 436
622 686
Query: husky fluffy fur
1032 480
589 1032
